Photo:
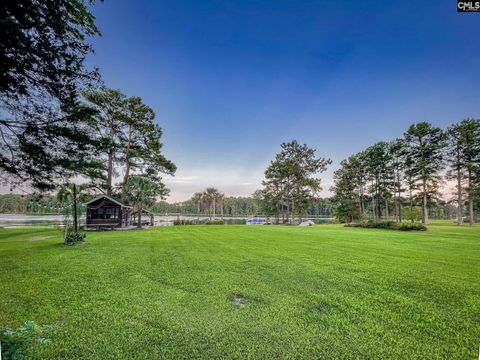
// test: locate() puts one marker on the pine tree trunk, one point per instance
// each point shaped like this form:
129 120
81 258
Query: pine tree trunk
139 224
288 213
360 196
395 207
283 214
470 211
360 200
293 212
127 156
109 173
386 209
459 196
425 207
379 206
377 201
110 162
471 215
399 205
459 190
411 201
398 200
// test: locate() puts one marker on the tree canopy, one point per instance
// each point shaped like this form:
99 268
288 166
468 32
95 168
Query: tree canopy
133 140
141 192
290 183
43 47
371 182
464 160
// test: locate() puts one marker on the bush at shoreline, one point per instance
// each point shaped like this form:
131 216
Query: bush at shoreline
389 225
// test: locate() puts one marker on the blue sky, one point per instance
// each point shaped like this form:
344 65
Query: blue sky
231 80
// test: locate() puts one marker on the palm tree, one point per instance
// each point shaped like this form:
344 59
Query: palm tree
209 196
65 192
212 197
142 192
197 199
220 198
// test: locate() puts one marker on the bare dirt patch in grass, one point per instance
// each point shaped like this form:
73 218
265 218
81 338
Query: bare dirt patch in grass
39 238
240 301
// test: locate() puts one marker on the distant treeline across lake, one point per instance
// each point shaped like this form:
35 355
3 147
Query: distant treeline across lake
47 204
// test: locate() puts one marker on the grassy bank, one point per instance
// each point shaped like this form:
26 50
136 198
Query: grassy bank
237 291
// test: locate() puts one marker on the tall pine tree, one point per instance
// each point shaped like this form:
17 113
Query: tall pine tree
465 162
425 159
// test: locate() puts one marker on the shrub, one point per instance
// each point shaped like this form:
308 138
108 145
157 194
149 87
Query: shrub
14 342
214 222
73 237
412 227
413 214
183 222
373 224
389 225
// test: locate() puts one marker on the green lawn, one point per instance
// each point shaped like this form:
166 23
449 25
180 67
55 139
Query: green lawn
245 291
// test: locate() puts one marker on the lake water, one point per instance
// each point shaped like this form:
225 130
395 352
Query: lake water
15 220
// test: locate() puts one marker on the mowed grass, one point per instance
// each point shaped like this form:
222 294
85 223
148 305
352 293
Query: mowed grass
246 292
